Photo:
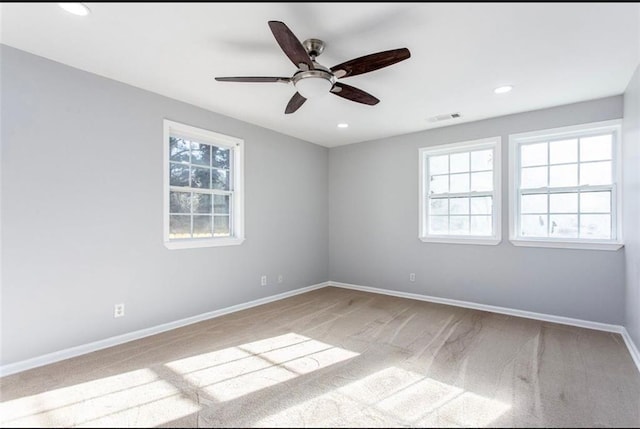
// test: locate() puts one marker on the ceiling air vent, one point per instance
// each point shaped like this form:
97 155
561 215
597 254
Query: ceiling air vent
445 117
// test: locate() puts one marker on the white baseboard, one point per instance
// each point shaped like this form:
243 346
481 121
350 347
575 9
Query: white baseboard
635 354
618 329
120 339
491 308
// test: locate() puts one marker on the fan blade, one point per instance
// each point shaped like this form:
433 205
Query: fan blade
294 104
354 94
290 44
256 79
370 62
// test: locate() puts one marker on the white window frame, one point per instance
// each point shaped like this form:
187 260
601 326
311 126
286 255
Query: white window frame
236 146
494 143
582 130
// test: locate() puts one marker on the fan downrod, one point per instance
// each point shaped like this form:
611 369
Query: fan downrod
314 47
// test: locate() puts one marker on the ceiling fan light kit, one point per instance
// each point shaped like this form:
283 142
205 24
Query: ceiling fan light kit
313 83
312 78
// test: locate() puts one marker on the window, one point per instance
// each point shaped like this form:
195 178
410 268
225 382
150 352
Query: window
203 199
460 192
564 187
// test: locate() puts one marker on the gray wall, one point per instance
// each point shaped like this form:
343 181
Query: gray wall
631 209
82 192
373 226
81 218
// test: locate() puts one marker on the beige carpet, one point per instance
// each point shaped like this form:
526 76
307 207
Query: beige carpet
335 358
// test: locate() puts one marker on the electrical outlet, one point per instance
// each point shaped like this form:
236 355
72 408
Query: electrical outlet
263 281
118 310
412 277
280 278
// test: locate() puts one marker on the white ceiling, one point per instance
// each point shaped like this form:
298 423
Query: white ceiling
553 54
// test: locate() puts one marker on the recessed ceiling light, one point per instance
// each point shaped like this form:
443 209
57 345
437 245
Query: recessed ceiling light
75 8
343 125
503 89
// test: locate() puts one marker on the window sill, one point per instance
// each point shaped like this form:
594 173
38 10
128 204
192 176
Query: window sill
489 241
567 244
194 244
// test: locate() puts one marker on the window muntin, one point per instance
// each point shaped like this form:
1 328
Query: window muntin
460 188
203 200
565 185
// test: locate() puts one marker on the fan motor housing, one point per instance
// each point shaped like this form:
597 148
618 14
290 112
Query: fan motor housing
306 74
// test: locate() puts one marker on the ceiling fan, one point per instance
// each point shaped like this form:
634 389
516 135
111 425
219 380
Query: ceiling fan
313 79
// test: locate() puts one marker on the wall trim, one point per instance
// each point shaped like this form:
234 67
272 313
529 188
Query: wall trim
618 329
635 354
71 352
485 307
57 356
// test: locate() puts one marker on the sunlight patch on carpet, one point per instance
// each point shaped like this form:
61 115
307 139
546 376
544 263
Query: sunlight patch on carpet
135 398
233 372
393 396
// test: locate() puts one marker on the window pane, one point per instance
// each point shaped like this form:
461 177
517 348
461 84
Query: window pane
459 162
481 225
481 205
563 226
563 151
459 182
200 154
563 203
180 226
459 206
220 157
482 181
439 206
201 226
201 204
533 203
563 175
459 225
221 204
200 177
533 226
439 184
595 202
595 226
439 164
178 174
220 179
595 173
178 150
221 226
595 148
533 177
179 202
482 160
533 154
438 225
